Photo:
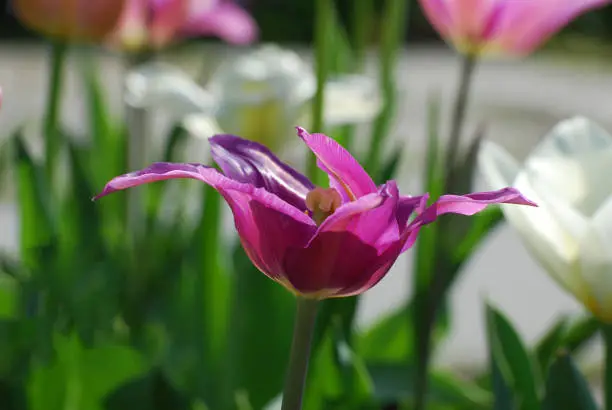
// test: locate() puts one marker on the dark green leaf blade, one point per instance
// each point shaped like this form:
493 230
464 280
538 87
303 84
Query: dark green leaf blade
566 387
513 360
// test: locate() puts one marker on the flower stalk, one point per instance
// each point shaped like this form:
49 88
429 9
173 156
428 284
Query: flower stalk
137 149
305 318
468 65
324 18
57 61
606 330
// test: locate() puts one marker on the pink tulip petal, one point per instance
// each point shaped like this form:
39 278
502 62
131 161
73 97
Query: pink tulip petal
468 204
227 21
167 17
267 225
160 171
347 247
528 24
515 27
439 15
347 176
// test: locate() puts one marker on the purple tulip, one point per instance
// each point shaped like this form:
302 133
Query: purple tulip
317 242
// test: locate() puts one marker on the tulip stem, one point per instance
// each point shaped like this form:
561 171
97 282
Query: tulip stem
137 151
468 64
606 330
303 331
52 116
323 21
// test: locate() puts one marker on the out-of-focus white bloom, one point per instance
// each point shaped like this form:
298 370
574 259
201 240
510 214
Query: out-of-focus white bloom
569 176
260 96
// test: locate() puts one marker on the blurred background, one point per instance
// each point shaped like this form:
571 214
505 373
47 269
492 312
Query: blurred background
517 101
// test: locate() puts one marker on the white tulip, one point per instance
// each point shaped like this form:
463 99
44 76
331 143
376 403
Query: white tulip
569 176
259 95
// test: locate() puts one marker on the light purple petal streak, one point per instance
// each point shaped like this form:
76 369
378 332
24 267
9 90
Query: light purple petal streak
252 163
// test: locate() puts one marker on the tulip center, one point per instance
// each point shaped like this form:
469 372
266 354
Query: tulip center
322 202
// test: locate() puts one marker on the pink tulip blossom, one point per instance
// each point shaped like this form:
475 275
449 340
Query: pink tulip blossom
157 23
70 20
515 27
317 242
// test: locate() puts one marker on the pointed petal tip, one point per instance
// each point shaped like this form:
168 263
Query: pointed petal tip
301 132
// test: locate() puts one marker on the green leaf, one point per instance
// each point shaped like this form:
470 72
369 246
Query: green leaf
395 17
548 345
390 339
566 387
261 326
337 376
512 358
480 225
151 391
9 296
37 227
581 331
98 116
392 164
80 215
336 311
394 383
213 285
80 378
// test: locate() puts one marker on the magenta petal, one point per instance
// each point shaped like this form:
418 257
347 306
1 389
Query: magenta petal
167 170
227 21
349 247
346 175
333 264
473 203
161 171
266 233
266 224
469 204
249 162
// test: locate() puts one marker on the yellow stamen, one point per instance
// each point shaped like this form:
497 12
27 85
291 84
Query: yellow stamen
322 203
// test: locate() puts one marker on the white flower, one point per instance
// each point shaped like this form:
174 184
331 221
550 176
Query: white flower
569 176
260 96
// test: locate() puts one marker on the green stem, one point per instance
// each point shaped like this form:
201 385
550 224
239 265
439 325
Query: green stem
606 330
363 16
395 19
323 19
212 292
303 331
52 117
137 152
468 64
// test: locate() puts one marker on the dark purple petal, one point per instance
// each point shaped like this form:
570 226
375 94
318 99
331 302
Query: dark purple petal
252 163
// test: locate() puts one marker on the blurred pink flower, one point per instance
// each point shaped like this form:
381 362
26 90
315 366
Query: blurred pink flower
70 20
157 23
515 27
